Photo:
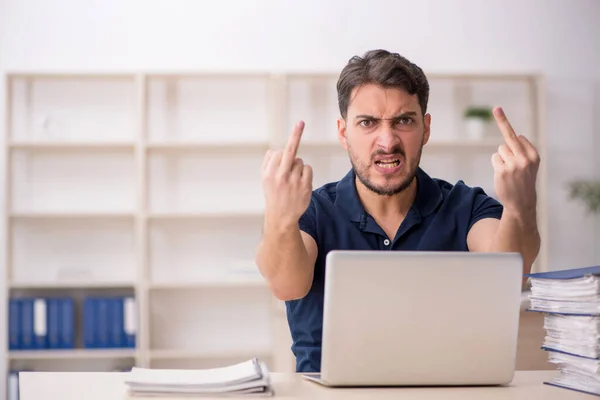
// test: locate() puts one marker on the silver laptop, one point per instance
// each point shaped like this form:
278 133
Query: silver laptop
396 318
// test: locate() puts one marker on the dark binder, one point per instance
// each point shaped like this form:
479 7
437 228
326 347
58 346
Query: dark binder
67 323
14 324
117 336
54 324
566 273
27 334
89 323
103 323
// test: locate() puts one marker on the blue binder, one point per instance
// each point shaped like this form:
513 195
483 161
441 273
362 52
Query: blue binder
103 323
27 339
14 324
117 333
567 273
67 323
570 388
54 324
89 323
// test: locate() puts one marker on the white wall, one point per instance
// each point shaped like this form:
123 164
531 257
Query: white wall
557 37
560 39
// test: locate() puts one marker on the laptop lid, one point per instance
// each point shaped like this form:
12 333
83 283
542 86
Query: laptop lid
420 318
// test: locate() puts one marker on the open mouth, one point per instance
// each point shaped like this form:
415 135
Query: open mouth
391 163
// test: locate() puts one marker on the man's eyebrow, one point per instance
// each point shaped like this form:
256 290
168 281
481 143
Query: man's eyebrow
403 115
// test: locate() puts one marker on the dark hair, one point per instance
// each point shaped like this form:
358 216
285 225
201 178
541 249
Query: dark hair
385 69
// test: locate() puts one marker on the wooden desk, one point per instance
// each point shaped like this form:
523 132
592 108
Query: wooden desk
527 385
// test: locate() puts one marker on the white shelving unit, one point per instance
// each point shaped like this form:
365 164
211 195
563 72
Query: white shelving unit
149 185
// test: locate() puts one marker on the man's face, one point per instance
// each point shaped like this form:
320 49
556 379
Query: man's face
384 134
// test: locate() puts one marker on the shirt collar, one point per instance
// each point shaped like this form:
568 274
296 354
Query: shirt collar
428 198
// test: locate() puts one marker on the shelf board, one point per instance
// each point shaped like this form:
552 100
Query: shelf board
190 354
65 145
208 146
239 280
458 144
206 214
319 144
488 144
464 144
72 215
74 354
72 285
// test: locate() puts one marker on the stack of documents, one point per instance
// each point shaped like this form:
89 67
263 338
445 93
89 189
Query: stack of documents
570 300
247 379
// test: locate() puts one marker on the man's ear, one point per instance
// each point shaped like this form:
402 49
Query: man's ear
426 128
341 127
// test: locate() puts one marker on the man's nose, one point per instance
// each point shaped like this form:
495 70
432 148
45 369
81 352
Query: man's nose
387 138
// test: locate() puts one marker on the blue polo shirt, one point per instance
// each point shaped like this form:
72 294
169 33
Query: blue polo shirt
439 220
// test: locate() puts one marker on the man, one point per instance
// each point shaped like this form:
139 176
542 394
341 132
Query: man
386 202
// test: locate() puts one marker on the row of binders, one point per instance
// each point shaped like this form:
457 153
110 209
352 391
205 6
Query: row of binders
53 323
570 301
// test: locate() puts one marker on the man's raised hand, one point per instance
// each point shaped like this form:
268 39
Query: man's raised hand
515 168
287 182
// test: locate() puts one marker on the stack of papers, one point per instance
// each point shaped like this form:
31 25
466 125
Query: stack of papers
570 300
247 379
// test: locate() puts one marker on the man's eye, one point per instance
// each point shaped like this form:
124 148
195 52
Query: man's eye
366 123
404 121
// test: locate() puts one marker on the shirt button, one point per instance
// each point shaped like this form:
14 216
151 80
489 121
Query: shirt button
386 242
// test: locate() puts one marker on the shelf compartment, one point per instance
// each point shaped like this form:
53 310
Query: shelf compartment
204 252
190 359
72 182
50 252
76 108
207 183
329 164
208 109
450 97
453 167
313 100
77 358
210 321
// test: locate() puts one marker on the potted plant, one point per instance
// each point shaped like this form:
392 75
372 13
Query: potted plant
476 120
587 192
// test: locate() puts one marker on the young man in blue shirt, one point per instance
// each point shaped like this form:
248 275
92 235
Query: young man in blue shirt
386 202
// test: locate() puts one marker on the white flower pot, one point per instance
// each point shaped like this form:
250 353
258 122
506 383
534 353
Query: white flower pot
475 128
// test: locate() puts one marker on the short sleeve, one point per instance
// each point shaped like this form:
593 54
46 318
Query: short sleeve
484 206
308 220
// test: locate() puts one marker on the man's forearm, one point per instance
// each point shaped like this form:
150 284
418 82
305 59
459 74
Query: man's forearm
518 232
283 260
